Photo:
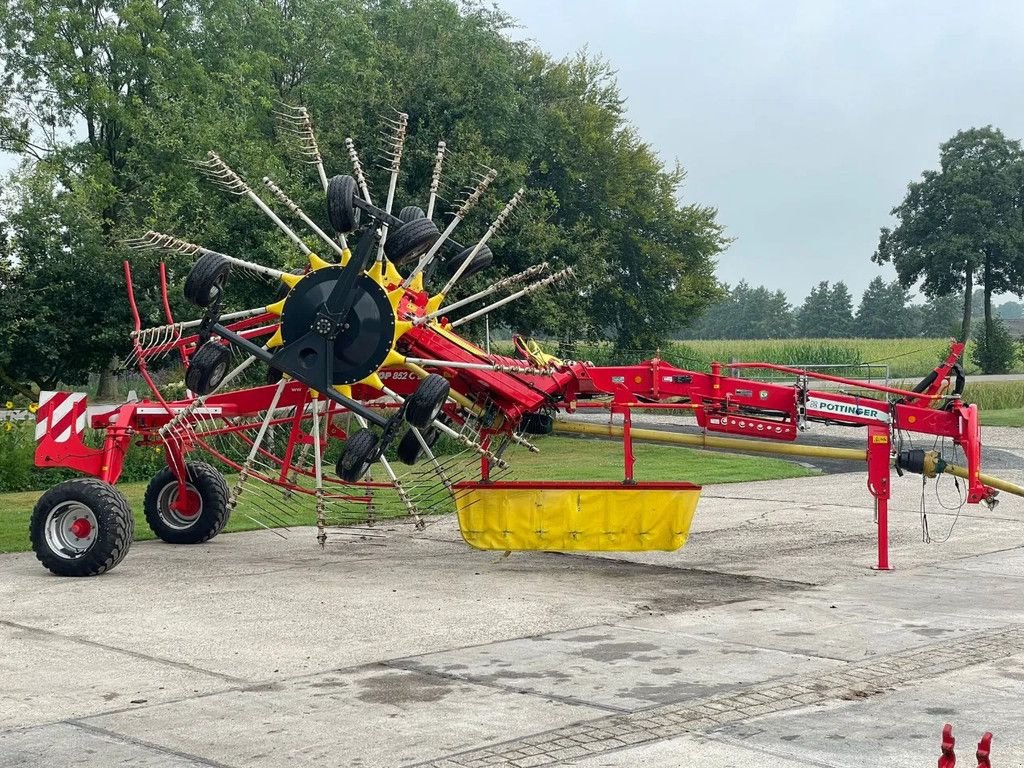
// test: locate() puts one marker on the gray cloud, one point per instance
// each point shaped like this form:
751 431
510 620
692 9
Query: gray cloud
802 122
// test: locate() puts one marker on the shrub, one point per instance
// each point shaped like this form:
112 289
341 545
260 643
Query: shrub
994 350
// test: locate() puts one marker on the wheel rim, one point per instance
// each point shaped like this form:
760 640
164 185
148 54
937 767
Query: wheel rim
71 530
175 518
218 374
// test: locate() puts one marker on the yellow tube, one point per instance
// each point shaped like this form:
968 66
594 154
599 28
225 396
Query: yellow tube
738 444
989 480
704 441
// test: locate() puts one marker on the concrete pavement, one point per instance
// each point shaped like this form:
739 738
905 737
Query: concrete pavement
766 641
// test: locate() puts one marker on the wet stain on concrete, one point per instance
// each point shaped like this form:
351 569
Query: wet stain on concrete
587 638
329 683
671 694
931 631
795 634
940 711
666 671
399 688
497 677
614 651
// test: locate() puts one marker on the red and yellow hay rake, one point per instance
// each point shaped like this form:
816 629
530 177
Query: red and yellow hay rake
356 362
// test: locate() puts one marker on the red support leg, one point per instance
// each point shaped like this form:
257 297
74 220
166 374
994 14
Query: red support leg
627 444
879 485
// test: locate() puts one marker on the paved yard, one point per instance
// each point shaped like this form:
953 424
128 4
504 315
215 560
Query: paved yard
766 641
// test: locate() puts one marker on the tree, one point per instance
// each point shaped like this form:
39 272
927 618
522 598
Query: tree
106 102
962 223
745 313
993 350
827 312
883 312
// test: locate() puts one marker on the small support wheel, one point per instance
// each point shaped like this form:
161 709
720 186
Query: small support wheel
483 259
411 240
206 279
341 210
202 516
409 448
207 367
81 527
411 213
360 451
425 404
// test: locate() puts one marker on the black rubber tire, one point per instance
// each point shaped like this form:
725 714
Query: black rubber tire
212 517
360 451
425 404
483 259
409 448
538 424
207 367
341 211
206 279
115 527
411 213
411 240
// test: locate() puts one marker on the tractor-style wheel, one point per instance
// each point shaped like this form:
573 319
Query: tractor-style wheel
360 451
538 424
411 213
207 367
483 259
204 514
424 405
206 279
411 240
341 210
81 527
409 448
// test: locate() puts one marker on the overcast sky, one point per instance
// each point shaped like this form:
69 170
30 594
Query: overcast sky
802 122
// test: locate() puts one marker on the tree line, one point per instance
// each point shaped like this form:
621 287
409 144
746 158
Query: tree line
106 102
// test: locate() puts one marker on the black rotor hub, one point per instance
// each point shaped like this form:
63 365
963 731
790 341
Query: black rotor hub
361 339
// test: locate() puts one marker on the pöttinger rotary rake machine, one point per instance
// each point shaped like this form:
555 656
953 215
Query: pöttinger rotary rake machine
308 399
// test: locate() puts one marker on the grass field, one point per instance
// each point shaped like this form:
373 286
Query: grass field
1008 417
561 458
910 358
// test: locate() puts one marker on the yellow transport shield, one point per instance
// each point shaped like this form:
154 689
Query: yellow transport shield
567 517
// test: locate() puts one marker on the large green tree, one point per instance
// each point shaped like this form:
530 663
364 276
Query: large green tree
884 312
746 312
963 223
827 312
107 100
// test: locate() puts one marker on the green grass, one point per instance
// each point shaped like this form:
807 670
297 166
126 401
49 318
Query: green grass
1008 417
561 458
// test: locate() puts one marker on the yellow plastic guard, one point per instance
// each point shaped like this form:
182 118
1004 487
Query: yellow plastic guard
565 517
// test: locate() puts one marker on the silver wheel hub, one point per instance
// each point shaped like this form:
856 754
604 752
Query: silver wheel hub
173 517
71 530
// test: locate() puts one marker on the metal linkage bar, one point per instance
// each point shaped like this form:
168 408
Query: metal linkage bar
158 241
567 272
435 177
526 274
496 367
296 122
357 169
294 208
498 222
472 199
221 174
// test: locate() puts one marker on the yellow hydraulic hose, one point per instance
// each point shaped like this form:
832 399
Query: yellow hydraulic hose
704 441
738 444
